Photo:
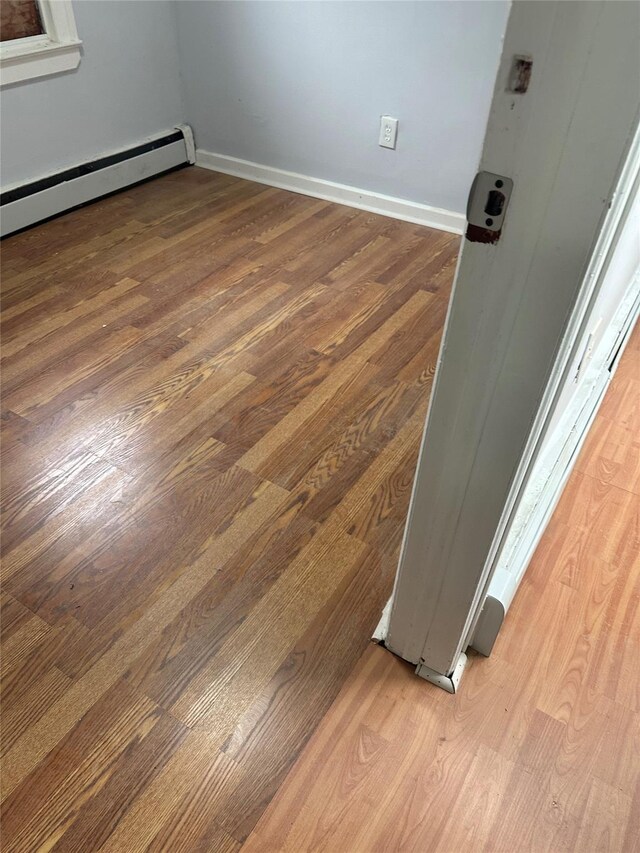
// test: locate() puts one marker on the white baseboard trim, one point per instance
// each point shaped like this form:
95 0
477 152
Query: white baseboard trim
385 205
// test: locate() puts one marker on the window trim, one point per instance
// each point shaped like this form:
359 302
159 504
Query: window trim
55 50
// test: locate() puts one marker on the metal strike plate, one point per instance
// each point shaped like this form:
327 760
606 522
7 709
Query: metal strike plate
488 200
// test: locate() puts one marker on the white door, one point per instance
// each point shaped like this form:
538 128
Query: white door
564 111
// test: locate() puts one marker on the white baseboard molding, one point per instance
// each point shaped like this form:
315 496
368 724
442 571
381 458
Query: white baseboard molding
35 201
385 205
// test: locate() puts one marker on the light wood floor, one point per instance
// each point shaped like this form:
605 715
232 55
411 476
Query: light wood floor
540 750
213 393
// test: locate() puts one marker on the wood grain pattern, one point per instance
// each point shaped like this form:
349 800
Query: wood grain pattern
213 397
540 749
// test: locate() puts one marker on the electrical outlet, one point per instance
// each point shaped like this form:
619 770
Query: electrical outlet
388 132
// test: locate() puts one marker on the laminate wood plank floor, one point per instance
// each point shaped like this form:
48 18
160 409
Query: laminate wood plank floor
540 749
213 395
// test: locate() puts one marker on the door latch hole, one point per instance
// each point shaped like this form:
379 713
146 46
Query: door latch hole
495 203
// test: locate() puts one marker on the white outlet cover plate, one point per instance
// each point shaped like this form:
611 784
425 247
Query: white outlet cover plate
388 132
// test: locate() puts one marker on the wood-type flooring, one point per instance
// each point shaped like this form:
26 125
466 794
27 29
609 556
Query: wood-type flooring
540 749
213 393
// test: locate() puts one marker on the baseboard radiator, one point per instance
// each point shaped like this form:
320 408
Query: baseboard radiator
26 204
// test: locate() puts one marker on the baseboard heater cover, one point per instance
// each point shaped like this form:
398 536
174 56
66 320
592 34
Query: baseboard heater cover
27 204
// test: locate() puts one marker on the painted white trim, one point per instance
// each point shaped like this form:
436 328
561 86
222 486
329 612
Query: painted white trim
59 20
548 457
380 634
38 206
511 303
385 205
542 490
38 56
449 682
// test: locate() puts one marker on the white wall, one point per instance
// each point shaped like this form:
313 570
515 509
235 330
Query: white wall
301 86
295 85
126 88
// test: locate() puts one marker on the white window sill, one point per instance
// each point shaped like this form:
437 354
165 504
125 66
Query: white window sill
39 56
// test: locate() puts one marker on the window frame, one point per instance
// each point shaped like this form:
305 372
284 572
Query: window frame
51 52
